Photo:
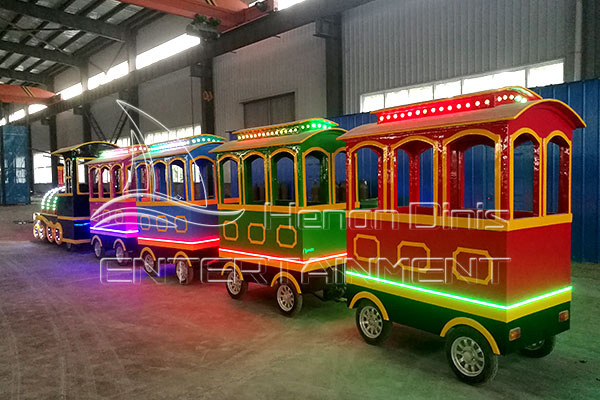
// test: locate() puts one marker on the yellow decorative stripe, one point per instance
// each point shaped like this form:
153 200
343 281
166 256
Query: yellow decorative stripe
458 305
290 266
374 299
475 325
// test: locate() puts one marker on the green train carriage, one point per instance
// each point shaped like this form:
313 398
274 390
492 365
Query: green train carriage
289 180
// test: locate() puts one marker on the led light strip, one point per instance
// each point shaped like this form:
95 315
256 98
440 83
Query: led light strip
291 260
288 129
461 298
179 241
114 230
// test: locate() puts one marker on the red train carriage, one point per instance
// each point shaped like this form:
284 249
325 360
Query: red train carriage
286 181
112 202
463 229
65 213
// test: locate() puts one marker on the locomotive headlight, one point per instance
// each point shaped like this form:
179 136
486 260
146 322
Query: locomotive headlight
514 334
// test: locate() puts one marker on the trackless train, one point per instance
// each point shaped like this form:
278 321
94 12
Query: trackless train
452 216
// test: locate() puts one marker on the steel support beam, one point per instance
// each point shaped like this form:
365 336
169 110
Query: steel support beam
42 53
25 76
264 28
330 29
106 30
204 71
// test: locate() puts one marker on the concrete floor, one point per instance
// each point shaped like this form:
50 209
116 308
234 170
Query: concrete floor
64 334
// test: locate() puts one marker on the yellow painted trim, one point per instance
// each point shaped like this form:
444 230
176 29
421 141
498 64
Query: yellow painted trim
332 175
366 237
306 153
385 167
181 218
181 254
185 178
71 241
406 243
237 230
96 237
58 239
64 194
166 223
148 225
290 228
233 265
282 264
72 218
295 161
394 168
281 209
469 279
122 244
264 234
497 161
289 276
220 176
149 250
511 189
265 174
458 305
475 325
374 299
547 141
215 180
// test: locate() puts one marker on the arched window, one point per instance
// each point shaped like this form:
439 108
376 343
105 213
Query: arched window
316 168
415 176
283 172
339 172
367 179
203 179
143 178
525 176
68 173
160 181
105 183
230 185
557 176
94 182
130 180
82 177
254 176
117 180
177 178
471 173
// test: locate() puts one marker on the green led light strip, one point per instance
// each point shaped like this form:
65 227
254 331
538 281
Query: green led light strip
461 298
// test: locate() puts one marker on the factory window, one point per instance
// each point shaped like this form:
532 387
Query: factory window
113 73
71 91
530 76
176 133
17 115
270 110
166 50
42 168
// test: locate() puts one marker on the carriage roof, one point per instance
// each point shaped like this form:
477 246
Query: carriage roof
88 149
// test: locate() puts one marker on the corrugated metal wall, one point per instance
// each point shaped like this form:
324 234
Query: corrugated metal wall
584 98
396 43
293 62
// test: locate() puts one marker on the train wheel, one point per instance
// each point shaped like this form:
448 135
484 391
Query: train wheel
58 235
98 249
371 325
50 234
236 287
470 355
540 349
70 246
150 265
184 272
121 254
288 298
36 229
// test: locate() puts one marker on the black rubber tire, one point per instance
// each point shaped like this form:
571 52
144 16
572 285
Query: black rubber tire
286 287
124 260
540 349
333 292
386 325
189 272
69 246
99 250
150 265
243 286
490 366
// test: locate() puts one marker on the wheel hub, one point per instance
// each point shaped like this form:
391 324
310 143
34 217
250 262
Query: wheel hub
467 356
182 272
233 283
285 297
371 322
